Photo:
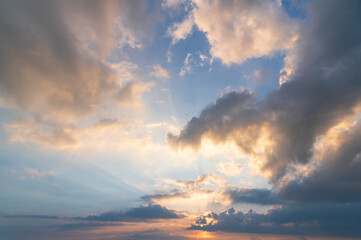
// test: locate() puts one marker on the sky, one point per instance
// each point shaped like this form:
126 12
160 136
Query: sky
180 119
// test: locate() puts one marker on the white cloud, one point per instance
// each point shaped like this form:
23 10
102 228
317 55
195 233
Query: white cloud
169 56
205 60
181 30
187 68
159 72
131 94
239 30
124 70
230 168
200 194
173 4
34 173
47 133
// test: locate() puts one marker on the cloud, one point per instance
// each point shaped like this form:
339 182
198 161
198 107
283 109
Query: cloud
159 72
250 24
58 135
193 132
174 193
34 173
261 76
280 133
315 219
172 3
125 71
326 38
108 123
32 216
192 195
261 73
205 179
53 53
229 168
185 189
180 31
44 132
187 68
169 56
132 92
304 136
139 214
199 196
205 60
336 179
253 195
112 134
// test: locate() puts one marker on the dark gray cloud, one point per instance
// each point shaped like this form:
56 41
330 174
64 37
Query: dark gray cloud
314 219
330 33
139 214
174 193
253 195
336 180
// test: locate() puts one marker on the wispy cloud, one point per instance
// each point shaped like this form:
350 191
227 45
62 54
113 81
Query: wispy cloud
229 168
187 67
34 173
32 216
159 72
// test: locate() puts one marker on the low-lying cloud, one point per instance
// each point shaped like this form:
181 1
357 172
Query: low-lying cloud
139 214
313 219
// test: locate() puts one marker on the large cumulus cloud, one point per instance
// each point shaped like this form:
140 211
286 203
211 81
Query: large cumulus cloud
239 30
